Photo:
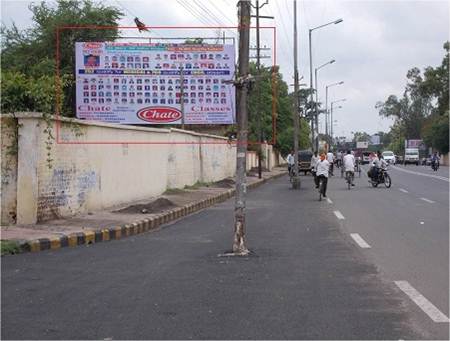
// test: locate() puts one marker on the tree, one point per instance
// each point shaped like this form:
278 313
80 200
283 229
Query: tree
436 134
31 52
359 136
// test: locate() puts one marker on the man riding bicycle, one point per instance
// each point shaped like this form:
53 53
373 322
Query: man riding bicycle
290 161
313 164
349 166
330 159
322 169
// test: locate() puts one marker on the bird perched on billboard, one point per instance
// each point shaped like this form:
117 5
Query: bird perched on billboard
140 25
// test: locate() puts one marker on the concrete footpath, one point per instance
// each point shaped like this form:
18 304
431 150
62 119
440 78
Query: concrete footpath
127 219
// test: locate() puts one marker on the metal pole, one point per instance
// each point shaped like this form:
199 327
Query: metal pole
239 246
182 96
295 113
258 111
326 112
311 88
331 124
317 113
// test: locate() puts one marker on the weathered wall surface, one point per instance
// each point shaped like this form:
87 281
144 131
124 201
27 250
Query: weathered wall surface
8 170
57 180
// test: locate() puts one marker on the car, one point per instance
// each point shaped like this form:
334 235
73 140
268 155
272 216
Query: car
304 161
389 157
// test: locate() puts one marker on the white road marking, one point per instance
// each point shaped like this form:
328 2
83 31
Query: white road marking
429 308
361 242
403 190
339 215
329 201
428 200
422 174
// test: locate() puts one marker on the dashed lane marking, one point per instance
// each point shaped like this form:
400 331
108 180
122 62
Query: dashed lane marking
361 242
403 190
339 215
428 200
428 308
329 201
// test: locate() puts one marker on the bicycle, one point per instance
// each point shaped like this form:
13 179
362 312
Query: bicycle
321 187
358 169
349 176
291 174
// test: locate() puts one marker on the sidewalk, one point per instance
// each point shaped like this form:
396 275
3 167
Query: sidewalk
127 219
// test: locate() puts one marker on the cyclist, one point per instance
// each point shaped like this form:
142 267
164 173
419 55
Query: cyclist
322 169
349 166
290 161
330 159
314 160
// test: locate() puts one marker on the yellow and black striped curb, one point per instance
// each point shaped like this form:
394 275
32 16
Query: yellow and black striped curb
141 226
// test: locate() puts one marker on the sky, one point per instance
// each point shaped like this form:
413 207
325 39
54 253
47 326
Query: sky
374 46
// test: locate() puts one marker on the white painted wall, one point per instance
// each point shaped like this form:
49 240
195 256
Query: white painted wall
83 176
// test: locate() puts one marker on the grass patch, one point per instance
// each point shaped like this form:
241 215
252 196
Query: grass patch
198 184
9 247
174 191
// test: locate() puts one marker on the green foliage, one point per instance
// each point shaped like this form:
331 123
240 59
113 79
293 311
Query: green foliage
436 133
31 52
26 93
422 111
260 103
9 247
359 136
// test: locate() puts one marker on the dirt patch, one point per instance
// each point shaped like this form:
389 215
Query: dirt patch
158 205
225 183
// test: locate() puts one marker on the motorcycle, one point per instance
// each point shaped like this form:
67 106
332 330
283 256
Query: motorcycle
435 165
382 178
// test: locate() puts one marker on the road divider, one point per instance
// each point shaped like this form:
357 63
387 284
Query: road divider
428 308
361 242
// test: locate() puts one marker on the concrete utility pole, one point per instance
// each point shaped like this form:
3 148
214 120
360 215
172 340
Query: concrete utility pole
311 89
242 85
296 179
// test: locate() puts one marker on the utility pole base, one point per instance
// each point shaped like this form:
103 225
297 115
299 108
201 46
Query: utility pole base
239 247
295 183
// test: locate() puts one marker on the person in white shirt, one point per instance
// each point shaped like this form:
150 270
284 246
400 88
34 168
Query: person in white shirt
376 165
349 166
330 159
314 160
322 169
290 160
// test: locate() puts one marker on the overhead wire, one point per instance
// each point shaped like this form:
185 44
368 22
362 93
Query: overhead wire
136 16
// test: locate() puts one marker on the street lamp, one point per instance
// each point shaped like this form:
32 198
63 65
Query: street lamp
326 104
339 100
317 101
311 63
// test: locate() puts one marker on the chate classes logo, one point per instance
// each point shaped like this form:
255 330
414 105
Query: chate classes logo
92 45
102 108
159 114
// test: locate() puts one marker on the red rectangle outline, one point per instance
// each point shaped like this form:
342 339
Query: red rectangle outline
58 86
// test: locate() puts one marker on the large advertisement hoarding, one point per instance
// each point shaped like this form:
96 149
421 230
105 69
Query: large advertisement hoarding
142 83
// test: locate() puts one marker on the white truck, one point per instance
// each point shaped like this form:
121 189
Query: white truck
411 156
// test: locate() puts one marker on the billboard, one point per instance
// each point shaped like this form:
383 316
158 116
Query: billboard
362 145
154 83
415 144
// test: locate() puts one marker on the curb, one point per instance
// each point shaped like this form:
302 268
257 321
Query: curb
128 230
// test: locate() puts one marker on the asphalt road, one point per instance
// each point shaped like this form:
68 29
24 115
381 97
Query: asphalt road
305 279
407 227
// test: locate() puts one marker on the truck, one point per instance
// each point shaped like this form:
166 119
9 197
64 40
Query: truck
411 156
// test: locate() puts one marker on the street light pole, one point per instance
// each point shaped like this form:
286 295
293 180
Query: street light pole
317 101
295 113
326 104
331 118
310 72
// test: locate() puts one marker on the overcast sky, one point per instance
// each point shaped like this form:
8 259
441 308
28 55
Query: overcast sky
374 46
